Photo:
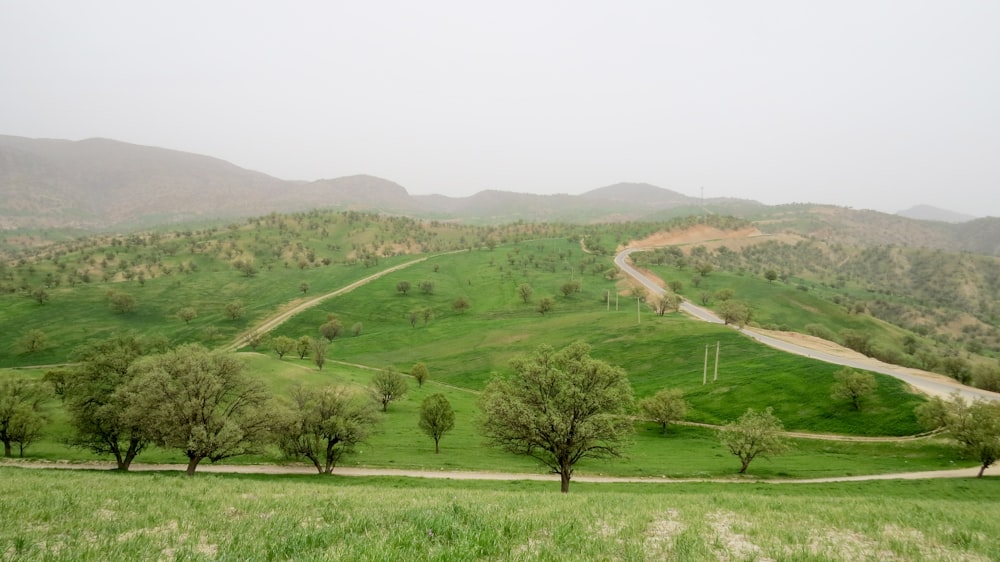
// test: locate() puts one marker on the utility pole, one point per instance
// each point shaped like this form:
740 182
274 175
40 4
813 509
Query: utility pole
704 374
715 377
638 312
607 297
616 301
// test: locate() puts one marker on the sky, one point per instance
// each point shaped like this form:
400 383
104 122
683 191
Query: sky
867 104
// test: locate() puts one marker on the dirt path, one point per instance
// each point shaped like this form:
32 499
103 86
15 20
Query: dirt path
476 475
280 318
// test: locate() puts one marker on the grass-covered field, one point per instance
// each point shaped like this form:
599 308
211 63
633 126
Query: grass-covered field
96 515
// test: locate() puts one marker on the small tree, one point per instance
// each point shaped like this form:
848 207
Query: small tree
427 287
40 295
304 287
545 305
420 373
318 349
283 345
975 427
460 305
122 303
403 287
235 309
324 424
388 386
734 312
331 329
357 328
754 434
21 417
198 402
303 346
436 418
33 341
570 287
665 407
559 407
524 291
187 314
770 275
852 386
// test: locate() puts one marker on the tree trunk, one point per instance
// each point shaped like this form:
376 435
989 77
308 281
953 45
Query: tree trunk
564 476
746 463
134 447
436 448
981 470
6 449
193 465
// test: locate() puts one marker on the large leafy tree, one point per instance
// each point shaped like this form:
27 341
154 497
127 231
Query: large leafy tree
559 407
96 402
975 427
755 434
852 386
324 424
198 402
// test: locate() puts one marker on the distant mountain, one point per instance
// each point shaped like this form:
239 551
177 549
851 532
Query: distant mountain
101 184
929 213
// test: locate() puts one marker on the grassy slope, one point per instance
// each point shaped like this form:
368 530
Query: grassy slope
96 515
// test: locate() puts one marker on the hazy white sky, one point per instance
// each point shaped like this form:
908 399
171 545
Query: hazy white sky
869 104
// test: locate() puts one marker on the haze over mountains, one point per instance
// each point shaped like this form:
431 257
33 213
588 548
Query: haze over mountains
100 184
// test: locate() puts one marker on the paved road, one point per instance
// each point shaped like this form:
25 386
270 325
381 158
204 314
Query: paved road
928 383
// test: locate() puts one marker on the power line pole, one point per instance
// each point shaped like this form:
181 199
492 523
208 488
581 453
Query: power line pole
704 374
715 377
638 312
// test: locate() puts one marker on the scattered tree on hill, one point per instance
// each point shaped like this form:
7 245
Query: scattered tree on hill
21 416
331 328
303 346
734 312
40 295
187 314
770 275
436 418
570 287
235 309
460 305
676 286
427 287
666 406
414 316
975 427
403 287
426 313
97 404
33 341
724 294
304 287
559 407
357 328
420 373
245 266
317 348
524 291
754 434
324 424
857 340
283 345
666 303
388 386
853 386
121 303
545 305
198 402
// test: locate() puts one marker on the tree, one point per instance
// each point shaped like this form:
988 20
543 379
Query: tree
524 291
357 328
303 345
975 427
853 386
332 328
570 287
324 424
754 434
198 402
235 309
770 275
666 303
559 407
318 349
427 287
420 373
21 416
436 418
283 345
664 407
96 401
403 287
545 305
122 303
33 341
40 295
387 386
187 314
304 287
734 312
460 305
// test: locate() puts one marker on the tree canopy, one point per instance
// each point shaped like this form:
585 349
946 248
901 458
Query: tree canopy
754 434
436 418
559 407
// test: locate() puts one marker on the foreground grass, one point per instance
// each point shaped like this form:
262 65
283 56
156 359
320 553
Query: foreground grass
82 515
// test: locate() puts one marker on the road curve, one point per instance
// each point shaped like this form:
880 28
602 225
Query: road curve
927 383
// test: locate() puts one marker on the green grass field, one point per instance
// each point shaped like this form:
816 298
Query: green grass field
96 515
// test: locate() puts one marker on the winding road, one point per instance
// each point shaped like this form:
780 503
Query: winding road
926 382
